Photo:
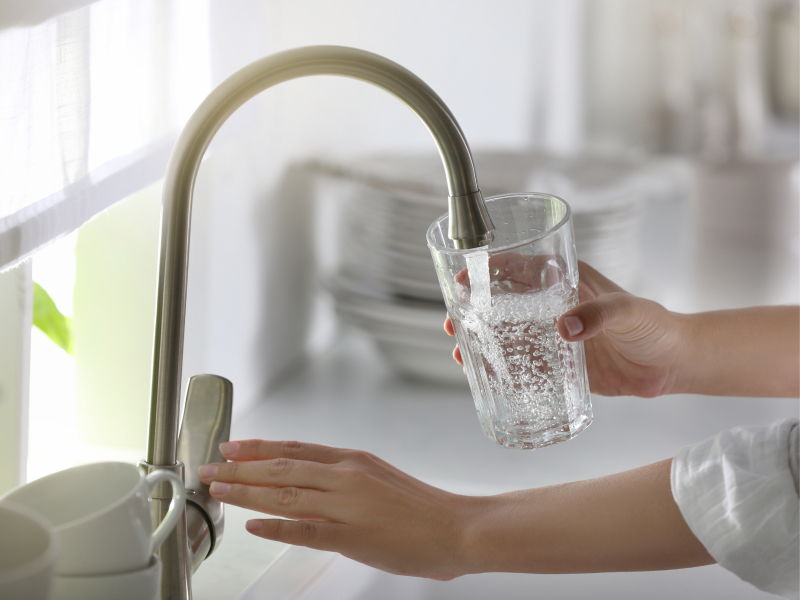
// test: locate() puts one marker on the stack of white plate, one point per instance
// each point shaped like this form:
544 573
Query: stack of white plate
386 284
407 332
607 200
384 248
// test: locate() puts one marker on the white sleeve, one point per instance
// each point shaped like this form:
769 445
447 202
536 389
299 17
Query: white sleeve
738 492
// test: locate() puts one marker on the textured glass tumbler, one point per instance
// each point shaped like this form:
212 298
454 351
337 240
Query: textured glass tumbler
529 385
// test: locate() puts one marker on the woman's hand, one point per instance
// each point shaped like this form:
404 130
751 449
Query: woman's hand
633 346
353 503
345 501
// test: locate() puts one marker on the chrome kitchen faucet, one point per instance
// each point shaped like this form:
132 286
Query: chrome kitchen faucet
209 398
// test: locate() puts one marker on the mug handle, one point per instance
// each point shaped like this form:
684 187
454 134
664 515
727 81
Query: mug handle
175 511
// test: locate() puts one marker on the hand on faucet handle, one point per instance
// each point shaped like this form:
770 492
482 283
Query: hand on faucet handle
346 501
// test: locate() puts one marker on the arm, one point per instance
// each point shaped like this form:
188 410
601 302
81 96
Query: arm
353 503
746 352
623 522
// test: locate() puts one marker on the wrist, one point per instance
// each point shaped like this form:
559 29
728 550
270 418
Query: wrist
476 546
690 357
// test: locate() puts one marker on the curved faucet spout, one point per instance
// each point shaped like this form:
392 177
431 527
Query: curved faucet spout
470 223
470 227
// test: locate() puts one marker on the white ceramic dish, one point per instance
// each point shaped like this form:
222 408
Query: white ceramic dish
29 548
101 513
135 585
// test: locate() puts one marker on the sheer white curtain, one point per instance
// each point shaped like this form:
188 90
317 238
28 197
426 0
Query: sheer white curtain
91 102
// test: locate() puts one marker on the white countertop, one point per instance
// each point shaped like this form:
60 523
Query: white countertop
349 398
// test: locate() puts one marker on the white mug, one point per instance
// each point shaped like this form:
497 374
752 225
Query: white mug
101 513
28 552
136 585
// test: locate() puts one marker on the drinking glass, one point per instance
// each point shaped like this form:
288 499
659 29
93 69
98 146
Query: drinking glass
529 385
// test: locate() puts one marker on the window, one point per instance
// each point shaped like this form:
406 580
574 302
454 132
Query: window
91 103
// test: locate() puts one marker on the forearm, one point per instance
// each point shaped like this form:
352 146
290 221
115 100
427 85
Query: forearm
623 522
745 352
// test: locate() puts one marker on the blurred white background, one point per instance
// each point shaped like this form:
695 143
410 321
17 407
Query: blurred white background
701 95
690 88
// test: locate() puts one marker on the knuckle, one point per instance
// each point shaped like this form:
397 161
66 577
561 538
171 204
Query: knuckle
356 456
370 458
307 530
279 466
596 314
602 313
623 300
277 528
363 463
620 305
613 310
288 496
291 448
357 475
232 468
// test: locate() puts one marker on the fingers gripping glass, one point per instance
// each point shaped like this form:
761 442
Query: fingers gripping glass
529 385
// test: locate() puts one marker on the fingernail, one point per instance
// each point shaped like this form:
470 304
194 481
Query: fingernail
229 449
207 471
253 525
574 325
219 488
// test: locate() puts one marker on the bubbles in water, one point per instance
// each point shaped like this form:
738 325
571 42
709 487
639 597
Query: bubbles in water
527 372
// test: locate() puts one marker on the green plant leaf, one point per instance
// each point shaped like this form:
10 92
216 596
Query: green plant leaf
49 319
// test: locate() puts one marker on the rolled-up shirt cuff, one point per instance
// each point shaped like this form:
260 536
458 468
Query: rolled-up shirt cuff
738 494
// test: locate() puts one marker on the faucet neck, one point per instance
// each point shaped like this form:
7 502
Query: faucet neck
474 226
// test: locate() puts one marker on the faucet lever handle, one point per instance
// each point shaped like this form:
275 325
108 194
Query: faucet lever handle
206 424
